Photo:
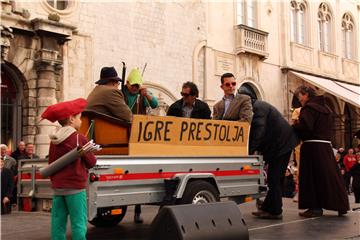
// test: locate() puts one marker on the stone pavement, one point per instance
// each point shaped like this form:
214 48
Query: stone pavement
36 225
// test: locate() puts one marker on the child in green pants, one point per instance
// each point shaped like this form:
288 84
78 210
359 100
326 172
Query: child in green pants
69 183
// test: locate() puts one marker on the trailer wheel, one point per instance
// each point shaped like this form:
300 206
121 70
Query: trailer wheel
199 192
110 220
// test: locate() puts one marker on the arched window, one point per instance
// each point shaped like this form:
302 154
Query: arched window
246 12
347 29
58 4
324 25
61 7
298 21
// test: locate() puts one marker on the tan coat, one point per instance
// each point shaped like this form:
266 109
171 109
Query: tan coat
240 109
110 101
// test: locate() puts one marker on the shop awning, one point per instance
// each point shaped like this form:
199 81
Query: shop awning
347 92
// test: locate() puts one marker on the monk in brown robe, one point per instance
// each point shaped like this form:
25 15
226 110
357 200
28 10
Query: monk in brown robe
320 183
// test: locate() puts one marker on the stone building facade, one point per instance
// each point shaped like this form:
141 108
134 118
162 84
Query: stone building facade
275 46
54 50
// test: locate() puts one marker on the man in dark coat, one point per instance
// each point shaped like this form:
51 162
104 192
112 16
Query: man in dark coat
7 185
20 150
320 183
189 106
355 173
273 137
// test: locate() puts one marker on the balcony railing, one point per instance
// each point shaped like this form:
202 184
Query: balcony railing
251 40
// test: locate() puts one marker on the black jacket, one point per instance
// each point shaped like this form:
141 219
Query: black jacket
355 173
16 154
270 133
200 111
7 183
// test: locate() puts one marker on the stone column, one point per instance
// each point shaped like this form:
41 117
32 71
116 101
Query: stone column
47 63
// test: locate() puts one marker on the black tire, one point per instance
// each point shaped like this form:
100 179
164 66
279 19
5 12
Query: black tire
108 221
198 192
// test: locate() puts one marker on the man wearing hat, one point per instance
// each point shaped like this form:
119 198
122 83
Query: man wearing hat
107 98
69 183
138 98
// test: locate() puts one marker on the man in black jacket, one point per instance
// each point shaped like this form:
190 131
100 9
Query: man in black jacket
7 185
189 106
273 137
19 151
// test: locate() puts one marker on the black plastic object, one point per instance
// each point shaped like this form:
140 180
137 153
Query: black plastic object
60 163
212 221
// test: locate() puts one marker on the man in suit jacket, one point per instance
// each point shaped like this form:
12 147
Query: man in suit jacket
189 106
107 98
231 107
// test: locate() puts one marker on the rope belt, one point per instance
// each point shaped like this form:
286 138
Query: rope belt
318 141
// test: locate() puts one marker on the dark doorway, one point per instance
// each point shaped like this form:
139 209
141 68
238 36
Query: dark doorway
10 108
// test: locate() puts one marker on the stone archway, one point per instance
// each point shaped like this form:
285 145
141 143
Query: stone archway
12 85
164 96
255 88
35 50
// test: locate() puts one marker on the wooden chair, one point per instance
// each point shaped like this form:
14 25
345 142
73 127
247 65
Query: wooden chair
111 133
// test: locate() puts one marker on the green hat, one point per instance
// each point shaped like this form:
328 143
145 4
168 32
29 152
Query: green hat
135 77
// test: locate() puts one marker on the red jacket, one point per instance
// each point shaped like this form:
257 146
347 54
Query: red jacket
349 161
75 175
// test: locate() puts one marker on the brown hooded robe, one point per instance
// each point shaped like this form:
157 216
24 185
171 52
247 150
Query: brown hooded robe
320 182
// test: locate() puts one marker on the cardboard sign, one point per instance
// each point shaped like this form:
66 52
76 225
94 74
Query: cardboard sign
172 136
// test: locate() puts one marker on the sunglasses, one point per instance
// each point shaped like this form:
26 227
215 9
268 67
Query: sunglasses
185 94
135 85
230 84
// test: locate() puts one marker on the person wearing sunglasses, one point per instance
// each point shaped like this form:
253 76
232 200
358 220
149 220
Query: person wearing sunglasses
189 106
231 107
138 98
107 98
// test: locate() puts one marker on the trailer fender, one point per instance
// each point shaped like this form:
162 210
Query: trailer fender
184 178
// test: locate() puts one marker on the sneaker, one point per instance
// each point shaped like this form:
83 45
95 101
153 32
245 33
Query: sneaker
310 213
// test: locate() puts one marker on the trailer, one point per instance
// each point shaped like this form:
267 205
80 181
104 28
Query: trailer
120 180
